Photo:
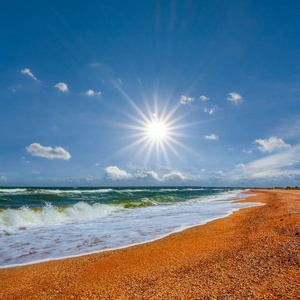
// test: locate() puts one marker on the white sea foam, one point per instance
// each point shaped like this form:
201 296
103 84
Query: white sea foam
73 191
12 191
12 219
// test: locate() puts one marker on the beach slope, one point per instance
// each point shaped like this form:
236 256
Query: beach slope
253 253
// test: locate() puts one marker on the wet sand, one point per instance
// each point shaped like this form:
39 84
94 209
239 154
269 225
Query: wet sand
253 253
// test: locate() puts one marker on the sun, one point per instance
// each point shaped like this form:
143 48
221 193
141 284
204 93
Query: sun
157 131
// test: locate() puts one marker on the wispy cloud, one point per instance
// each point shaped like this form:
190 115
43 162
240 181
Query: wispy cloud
115 173
212 137
186 100
286 158
14 88
36 149
92 93
284 164
247 151
272 144
95 64
120 81
3 176
27 71
203 98
62 87
35 172
211 111
234 97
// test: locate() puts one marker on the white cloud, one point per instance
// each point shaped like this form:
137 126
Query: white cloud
36 149
272 144
186 100
146 175
212 137
91 93
248 152
241 166
27 71
174 176
35 172
286 158
235 97
210 110
115 173
276 173
120 81
282 164
62 87
204 98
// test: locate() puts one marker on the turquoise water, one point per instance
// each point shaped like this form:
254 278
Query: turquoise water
38 224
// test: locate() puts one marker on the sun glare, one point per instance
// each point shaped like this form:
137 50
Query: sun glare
157 131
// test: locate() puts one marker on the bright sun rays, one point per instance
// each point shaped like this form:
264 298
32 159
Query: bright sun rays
156 129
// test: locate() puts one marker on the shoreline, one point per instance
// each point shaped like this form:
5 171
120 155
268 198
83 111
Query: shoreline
201 261
245 194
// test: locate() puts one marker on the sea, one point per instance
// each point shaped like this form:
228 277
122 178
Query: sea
41 224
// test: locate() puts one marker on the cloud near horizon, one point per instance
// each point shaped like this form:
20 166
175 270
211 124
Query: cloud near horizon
27 71
142 175
174 176
277 165
62 87
150 175
114 173
36 149
272 144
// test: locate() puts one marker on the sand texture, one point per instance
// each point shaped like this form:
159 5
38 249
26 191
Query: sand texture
252 254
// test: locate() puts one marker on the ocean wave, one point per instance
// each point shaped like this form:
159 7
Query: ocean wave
52 215
12 191
73 191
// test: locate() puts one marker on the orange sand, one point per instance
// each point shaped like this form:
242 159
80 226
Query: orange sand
254 253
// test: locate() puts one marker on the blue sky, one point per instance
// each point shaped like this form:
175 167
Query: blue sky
83 83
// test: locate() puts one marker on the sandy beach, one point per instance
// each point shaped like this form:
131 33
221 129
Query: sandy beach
253 253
